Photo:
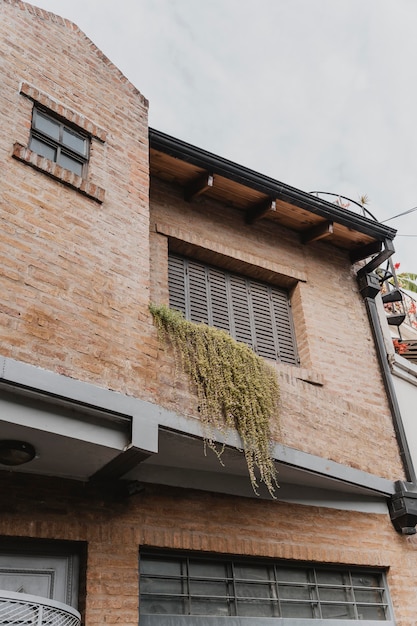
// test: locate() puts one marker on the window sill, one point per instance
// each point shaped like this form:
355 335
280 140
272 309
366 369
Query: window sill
55 171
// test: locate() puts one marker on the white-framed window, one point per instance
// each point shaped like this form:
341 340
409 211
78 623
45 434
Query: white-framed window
251 311
58 142
191 588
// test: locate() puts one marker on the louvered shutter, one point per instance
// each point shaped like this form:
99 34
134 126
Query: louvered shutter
198 296
218 298
262 311
176 284
240 307
287 352
252 312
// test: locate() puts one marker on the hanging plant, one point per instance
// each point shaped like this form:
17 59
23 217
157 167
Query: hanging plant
235 388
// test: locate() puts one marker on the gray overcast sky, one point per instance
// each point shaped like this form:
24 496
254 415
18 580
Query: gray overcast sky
319 94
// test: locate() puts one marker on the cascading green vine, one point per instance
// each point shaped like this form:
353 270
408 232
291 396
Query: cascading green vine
235 387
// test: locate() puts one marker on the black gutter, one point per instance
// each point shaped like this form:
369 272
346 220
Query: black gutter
402 505
369 287
269 186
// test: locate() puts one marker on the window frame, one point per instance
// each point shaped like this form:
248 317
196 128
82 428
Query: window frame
231 598
268 328
59 144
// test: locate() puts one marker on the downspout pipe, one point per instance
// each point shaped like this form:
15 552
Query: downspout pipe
403 504
369 288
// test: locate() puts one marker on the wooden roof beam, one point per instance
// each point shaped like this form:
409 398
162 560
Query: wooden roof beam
198 186
365 251
317 232
258 210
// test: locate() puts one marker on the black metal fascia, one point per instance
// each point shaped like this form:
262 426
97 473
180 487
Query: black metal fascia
269 186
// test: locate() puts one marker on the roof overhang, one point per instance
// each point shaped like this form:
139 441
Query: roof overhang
260 197
84 432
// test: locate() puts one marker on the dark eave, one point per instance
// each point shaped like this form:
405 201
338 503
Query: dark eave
88 433
196 161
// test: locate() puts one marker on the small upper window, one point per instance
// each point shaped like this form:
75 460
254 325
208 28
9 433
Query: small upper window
54 140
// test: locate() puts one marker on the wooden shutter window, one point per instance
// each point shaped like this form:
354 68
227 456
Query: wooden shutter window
252 312
242 329
176 285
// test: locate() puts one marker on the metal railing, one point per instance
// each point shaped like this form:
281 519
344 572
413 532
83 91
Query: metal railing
21 609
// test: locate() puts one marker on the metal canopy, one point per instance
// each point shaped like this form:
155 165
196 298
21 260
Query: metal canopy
84 432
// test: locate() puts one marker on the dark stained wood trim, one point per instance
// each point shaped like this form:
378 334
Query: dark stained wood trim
258 210
198 186
365 251
317 232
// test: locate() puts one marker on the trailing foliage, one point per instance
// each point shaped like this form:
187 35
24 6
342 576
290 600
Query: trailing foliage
235 387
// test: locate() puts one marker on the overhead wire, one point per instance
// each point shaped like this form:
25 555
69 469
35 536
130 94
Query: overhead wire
399 215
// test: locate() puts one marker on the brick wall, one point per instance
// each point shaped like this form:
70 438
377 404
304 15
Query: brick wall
74 271
114 528
76 278
334 404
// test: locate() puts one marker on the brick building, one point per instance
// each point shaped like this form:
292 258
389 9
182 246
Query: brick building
110 506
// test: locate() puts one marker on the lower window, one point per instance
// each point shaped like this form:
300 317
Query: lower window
208 590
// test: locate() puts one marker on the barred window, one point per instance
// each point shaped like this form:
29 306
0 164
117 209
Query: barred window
58 142
252 312
192 585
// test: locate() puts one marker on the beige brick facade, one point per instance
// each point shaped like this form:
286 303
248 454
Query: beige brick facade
80 261
333 390
114 529
77 271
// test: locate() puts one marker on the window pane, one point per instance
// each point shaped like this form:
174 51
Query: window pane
326 577
292 574
70 164
335 595
366 580
162 606
210 606
74 141
248 571
371 612
46 125
208 588
165 567
296 610
208 569
42 148
257 608
255 590
299 592
337 611
373 595
173 586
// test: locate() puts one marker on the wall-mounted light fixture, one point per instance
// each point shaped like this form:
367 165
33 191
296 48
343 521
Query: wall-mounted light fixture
14 452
